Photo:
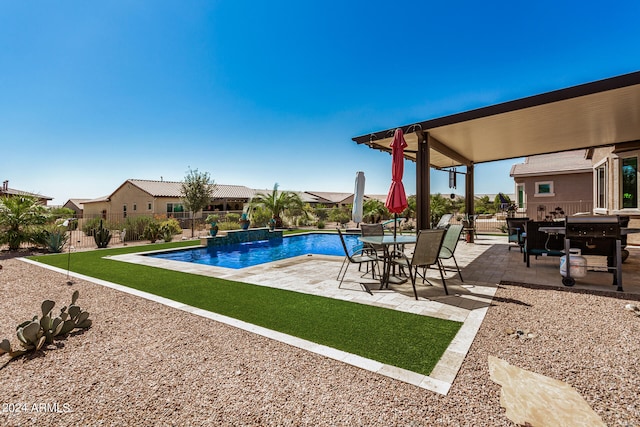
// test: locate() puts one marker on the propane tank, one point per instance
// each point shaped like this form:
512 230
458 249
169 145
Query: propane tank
578 264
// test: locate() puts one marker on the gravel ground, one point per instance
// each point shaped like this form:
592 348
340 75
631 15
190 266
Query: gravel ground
145 364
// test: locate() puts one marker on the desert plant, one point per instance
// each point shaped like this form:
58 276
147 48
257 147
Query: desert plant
90 225
20 217
228 225
166 232
277 202
55 238
340 215
172 225
34 334
212 218
135 226
102 236
152 231
232 217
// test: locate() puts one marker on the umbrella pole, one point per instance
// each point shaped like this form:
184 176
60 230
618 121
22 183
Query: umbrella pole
395 225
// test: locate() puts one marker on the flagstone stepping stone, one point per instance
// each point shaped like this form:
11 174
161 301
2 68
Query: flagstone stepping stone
535 400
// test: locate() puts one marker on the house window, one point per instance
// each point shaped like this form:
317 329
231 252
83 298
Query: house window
174 208
520 196
544 189
601 186
124 211
629 177
148 206
135 207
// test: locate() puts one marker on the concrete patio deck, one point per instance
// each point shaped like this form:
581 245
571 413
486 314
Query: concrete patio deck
484 265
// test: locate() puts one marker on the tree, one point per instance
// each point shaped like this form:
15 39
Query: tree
373 210
20 217
277 202
484 205
440 205
410 211
196 193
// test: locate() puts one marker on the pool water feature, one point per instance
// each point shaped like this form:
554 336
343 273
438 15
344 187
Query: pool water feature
247 254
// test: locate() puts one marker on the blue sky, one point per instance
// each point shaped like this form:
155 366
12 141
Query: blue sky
94 93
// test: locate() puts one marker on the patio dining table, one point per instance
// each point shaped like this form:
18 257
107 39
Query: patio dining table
390 244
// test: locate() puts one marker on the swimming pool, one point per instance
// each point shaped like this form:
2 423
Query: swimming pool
247 254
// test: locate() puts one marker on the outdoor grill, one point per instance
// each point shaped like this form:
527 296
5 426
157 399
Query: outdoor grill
593 227
596 235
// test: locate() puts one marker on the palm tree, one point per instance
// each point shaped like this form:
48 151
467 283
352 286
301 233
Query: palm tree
19 218
277 202
374 210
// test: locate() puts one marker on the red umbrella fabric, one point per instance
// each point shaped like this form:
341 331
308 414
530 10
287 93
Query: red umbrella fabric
397 199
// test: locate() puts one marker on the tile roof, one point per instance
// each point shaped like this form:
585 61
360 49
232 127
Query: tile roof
329 196
173 189
552 164
14 192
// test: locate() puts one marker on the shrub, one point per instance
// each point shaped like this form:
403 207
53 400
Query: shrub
321 225
152 231
92 224
227 225
135 226
232 217
172 225
260 216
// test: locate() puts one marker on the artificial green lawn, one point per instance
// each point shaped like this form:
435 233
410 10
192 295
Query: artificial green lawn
400 339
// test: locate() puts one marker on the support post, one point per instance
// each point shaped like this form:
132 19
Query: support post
423 199
469 200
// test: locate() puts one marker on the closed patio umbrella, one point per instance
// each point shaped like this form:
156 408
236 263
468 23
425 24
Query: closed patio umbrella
358 199
396 198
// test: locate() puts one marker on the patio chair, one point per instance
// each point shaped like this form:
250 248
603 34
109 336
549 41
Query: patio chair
357 257
449 245
426 254
515 231
372 230
538 243
444 221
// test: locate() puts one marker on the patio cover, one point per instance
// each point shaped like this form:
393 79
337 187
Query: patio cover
600 113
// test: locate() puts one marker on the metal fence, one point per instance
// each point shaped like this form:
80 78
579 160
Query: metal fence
81 233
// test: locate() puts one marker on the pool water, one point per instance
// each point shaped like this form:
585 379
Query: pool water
247 254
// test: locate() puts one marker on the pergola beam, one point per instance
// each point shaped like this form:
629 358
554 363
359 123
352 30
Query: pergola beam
446 151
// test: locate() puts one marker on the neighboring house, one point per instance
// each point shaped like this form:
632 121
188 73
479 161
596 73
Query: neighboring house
330 199
549 184
145 197
76 205
6 191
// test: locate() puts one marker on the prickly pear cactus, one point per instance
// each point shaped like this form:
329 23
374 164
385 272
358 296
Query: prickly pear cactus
34 334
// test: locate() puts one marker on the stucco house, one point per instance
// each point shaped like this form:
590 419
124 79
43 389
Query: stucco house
615 179
5 191
549 185
76 205
148 197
